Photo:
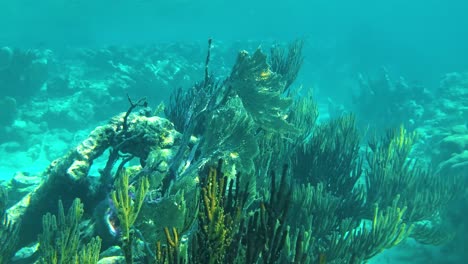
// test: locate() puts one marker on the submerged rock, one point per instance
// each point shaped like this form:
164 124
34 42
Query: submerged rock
24 180
26 254
112 260
67 177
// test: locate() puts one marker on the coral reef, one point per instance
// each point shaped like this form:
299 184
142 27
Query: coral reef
146 71
447 128
22 73
383 103
162 200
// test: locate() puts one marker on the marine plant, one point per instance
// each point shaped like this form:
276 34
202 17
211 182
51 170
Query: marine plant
59 242
222 204
260 90
319 211
287 62
8 230
240 232
230 132
331 203
331 156
229 230
422 190
253 91
359 244
267 229
128 209
275 149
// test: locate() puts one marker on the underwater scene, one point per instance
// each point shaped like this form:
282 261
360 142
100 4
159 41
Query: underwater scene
230 132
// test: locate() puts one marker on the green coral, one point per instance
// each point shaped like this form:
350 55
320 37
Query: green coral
219 218
276 149
288 62
331 156
8 230
128 209
260 90
331 205
59 242
392 173
315 208
169 254
303 115
230 135
89 254
388 230
177 210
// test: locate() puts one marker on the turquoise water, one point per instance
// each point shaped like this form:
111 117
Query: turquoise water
67 67
370 32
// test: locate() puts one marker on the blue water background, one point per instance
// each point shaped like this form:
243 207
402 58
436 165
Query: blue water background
418 39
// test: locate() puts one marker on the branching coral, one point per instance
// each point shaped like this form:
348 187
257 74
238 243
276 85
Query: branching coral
298 247
358 245
169 254
188 107
221 212
59 242
316 209
287 63
128 208
388 230
303 115
190 111
250 99
392 173
331 156
8 230
267 230
89 254
276 149
227 234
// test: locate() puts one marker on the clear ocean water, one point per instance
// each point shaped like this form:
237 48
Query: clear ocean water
70 66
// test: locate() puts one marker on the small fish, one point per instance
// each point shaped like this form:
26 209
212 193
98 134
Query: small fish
111 223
